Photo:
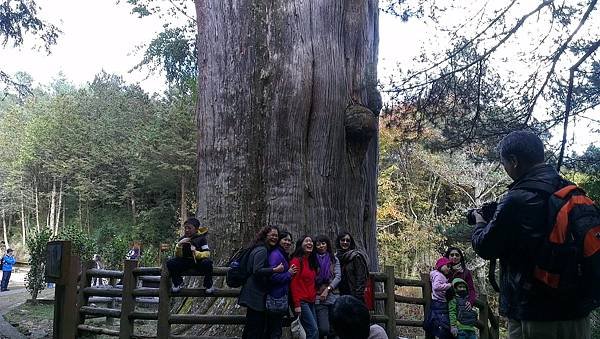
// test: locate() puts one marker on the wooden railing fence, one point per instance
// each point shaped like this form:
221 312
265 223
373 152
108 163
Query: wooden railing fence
129 292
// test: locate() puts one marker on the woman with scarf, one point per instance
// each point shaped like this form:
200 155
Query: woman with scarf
328 279
353 262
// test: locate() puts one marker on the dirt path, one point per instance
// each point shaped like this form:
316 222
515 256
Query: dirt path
16 296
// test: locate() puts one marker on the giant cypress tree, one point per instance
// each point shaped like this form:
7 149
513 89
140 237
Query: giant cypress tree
287 118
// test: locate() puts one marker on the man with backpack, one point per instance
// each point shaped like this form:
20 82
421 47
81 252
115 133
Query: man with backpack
532 225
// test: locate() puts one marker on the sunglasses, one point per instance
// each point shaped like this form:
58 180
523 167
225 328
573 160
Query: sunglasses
454 254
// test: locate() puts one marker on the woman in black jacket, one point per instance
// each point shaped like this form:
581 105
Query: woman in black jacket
254 290
355 271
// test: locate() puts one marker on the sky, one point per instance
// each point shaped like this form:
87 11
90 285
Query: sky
102 35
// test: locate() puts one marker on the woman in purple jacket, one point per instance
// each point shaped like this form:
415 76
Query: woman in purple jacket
277 294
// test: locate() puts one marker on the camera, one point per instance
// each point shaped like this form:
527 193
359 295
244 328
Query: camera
486 210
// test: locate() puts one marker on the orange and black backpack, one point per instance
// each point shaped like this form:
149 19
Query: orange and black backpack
567 263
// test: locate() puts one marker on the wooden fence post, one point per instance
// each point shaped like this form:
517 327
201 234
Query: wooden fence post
390 302
484 317
127 301
62 268
427 298
163 329
111 304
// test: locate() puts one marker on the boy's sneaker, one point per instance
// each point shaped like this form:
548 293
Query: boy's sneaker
176 289
211 290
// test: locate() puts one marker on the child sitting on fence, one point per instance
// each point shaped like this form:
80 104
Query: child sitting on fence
437 322
462 318
191 251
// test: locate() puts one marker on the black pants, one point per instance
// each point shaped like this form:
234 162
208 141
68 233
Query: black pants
178 265
274 325
255 324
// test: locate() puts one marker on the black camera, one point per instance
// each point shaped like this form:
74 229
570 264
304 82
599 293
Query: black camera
486 210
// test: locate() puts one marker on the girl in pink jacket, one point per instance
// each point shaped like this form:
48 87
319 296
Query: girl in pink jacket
437 321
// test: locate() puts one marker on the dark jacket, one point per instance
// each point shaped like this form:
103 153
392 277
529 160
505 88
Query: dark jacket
355 273
513 235
200 242
254 290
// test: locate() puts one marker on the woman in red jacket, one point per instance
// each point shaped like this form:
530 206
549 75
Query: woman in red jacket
303 286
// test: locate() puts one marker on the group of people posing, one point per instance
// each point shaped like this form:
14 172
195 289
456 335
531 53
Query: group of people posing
307 278
453 296
311 276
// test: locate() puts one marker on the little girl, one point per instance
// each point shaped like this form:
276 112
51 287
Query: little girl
437 322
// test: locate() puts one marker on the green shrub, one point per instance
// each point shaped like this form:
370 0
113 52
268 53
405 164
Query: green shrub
36 245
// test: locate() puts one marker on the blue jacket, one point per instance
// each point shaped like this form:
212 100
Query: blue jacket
280 282
9 261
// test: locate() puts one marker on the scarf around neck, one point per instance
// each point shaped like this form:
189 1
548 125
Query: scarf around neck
324 261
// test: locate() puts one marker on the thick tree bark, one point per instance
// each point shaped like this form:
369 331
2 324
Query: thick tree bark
287 118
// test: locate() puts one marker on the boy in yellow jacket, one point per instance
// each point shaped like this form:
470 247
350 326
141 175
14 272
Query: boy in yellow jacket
191 251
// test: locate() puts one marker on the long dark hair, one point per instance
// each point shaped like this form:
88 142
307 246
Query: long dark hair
261 236
283 234
299 253
327 241
340 236
462 257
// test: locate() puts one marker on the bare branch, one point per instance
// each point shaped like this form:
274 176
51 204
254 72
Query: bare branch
557 56
484 56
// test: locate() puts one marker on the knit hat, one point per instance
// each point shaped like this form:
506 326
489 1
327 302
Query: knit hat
441 262
457 281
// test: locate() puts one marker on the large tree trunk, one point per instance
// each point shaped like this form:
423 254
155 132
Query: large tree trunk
287 118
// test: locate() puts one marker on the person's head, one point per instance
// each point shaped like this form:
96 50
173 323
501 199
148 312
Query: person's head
350 318
96 257
519 151
345 241
456 256
305 247
268 236
190 227
9 251
323 244
285 241
460 287
443 265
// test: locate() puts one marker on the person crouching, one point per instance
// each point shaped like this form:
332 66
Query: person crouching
191 252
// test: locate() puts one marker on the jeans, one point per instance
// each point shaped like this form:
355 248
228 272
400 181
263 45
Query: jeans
308 319
178 265
462 334
255 324
323 315
561 329
274 325
5 279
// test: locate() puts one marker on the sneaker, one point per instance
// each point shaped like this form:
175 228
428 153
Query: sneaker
175 289
211 290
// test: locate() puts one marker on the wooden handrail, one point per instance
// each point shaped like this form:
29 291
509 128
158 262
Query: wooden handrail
488 322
